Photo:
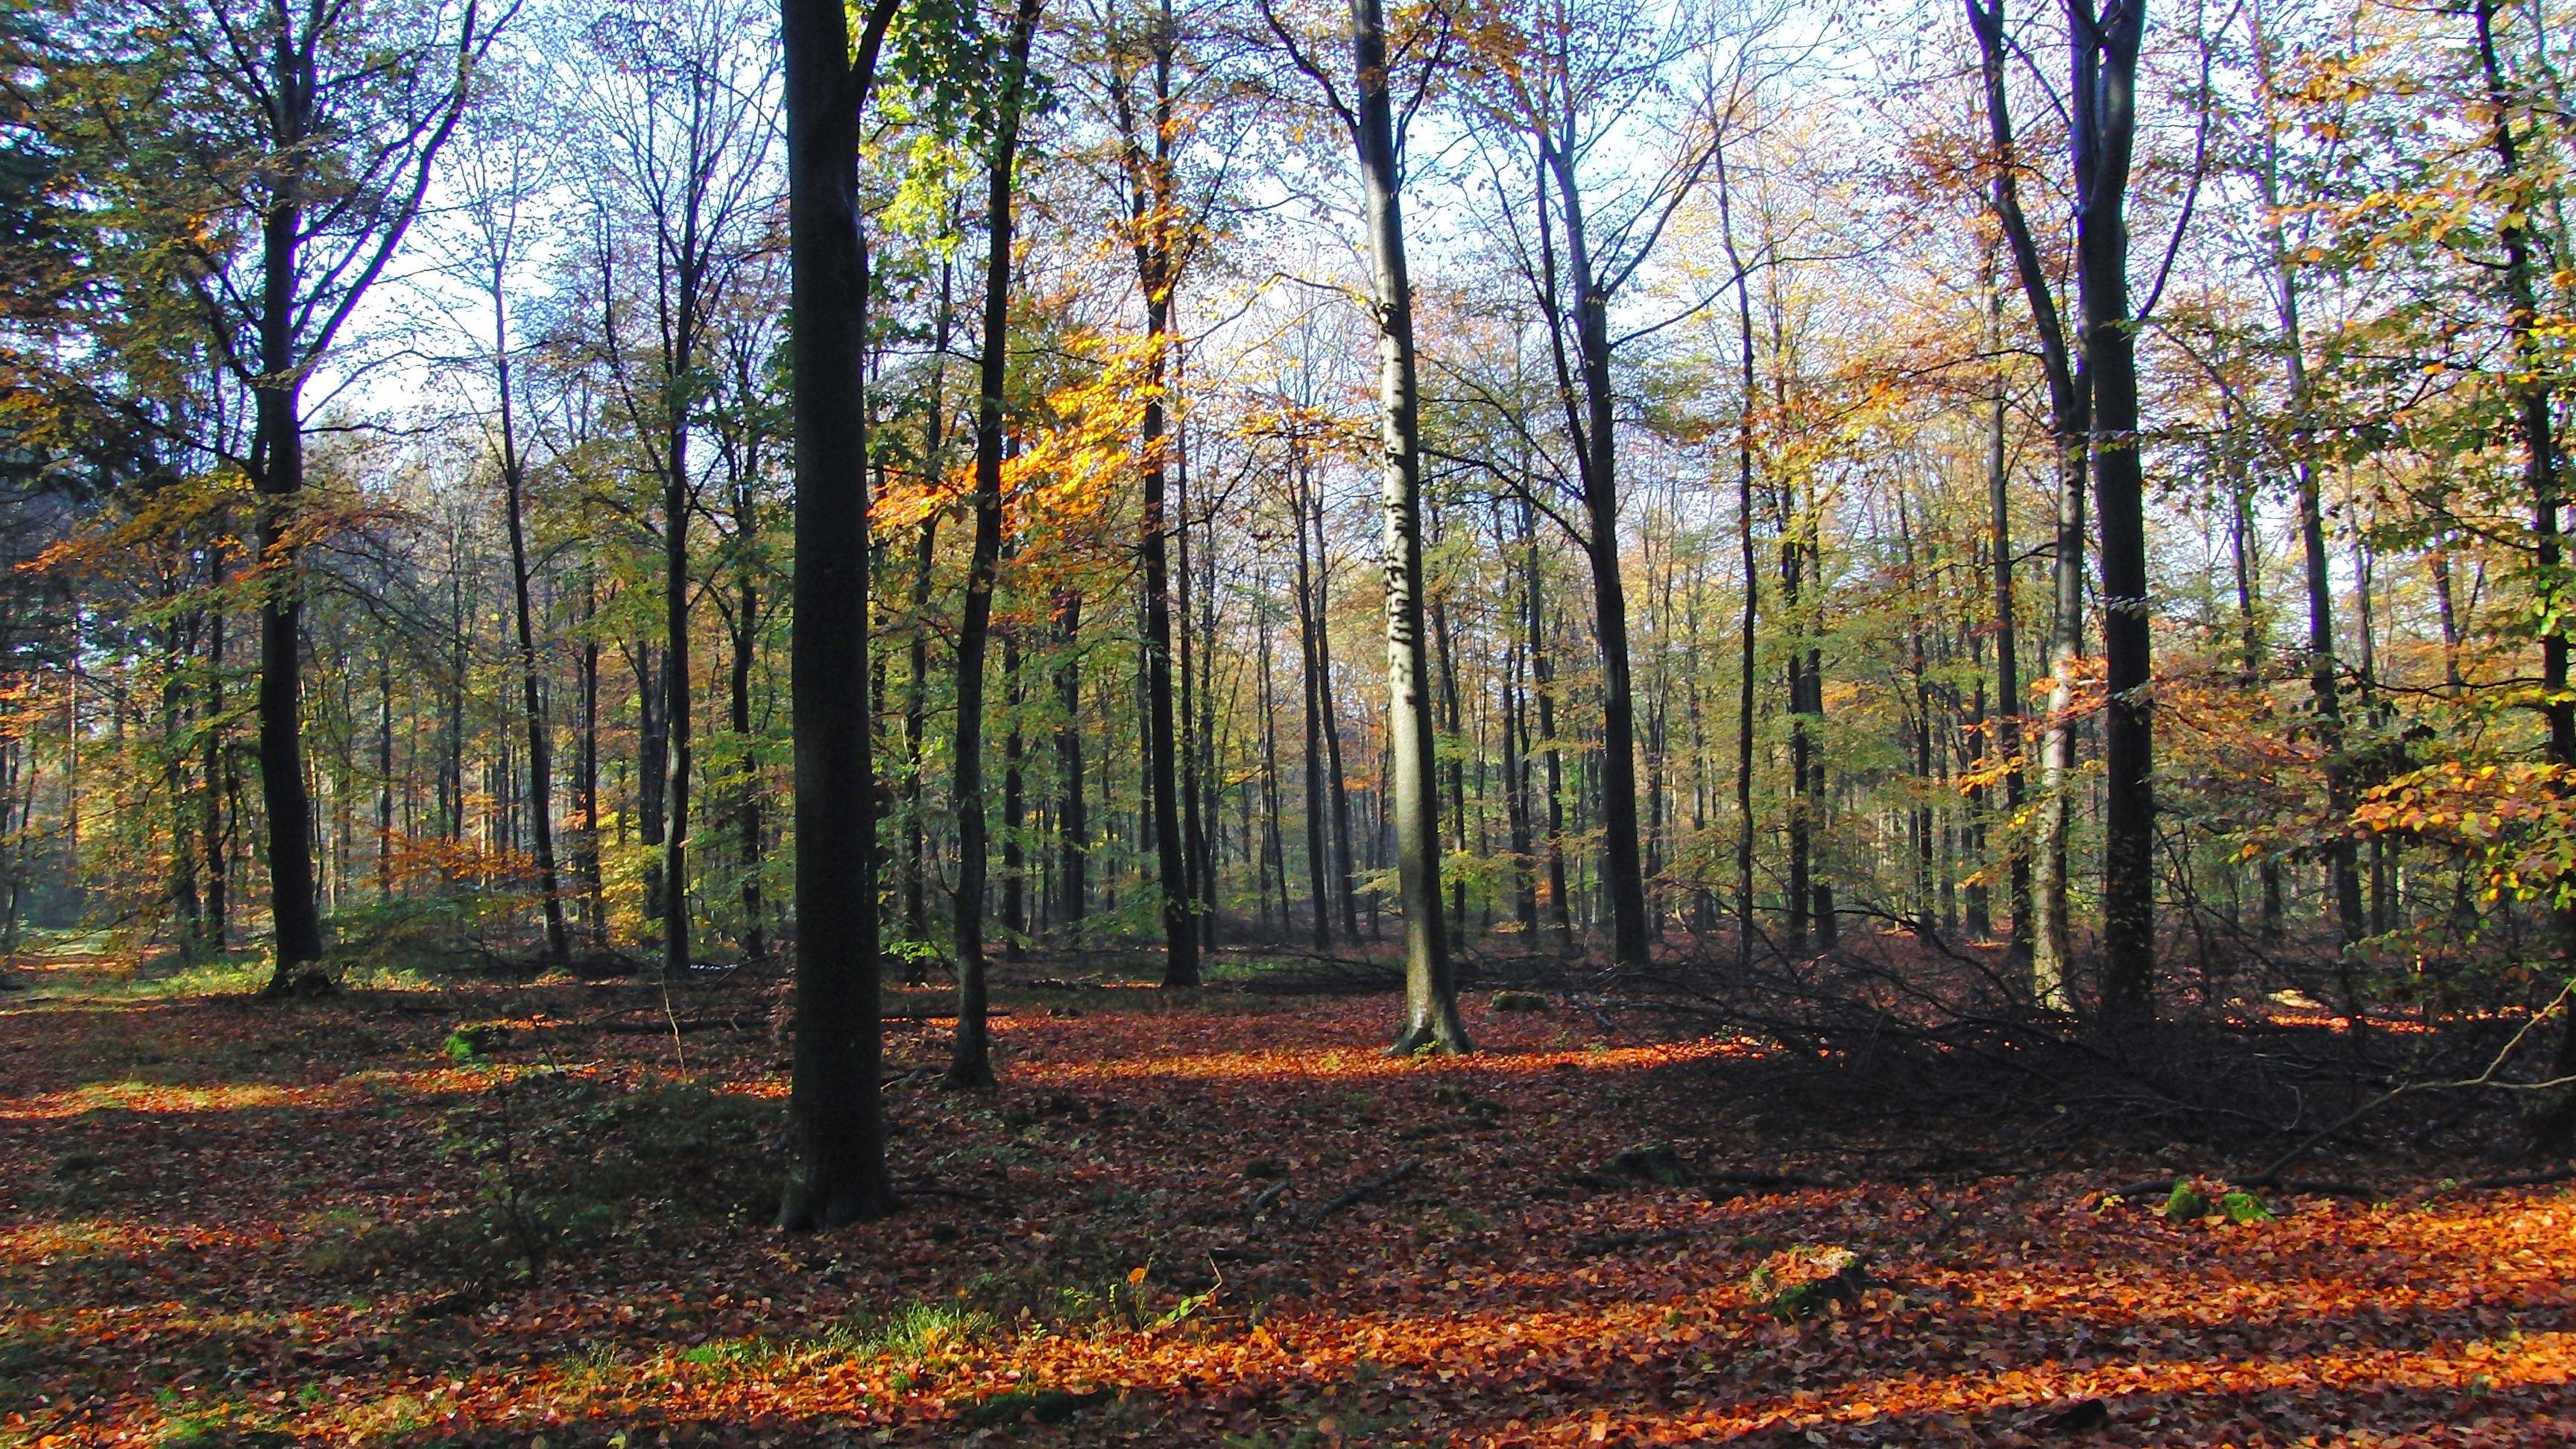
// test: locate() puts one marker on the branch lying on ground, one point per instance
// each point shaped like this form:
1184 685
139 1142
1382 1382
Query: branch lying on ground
1362 1192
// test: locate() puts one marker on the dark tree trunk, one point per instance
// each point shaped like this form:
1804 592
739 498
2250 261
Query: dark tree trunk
2105 126
934 423
541 790
1073 840
210 816
1625 870
916 707
1015 913
970 1058
1346 886
1744 928
593 887
2069 426
836 1130
1308 626
279 474
2008 691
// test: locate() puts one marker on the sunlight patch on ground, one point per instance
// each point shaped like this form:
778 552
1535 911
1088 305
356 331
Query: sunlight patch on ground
1352 1063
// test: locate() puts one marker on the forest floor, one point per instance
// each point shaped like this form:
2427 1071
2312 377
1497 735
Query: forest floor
535 1215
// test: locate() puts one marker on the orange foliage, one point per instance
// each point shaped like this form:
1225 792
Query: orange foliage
194 1188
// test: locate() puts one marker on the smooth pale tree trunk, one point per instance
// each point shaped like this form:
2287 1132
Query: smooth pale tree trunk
836 1130
970 1062
1430 991
2105 113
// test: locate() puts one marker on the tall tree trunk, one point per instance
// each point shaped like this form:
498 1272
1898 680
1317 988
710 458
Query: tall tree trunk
1430 992
212 847
1744 929
1154 225
836 1130
541 790
1457 772
1073 841
2323 681
384 773
970 1058
1345 878
2105 127
2009 699
916 878
279 474
675 697
1308 626
1015 913
747 818
1162 752
1802 806
916 717
1274 860
2533 419
1631 932
1516 801
1543 682
2070 426
593 887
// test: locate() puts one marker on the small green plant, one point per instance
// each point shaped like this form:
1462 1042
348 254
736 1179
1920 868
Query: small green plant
2187 1202
473 1041
2244 1207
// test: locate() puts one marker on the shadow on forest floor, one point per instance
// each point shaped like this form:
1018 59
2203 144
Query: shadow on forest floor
502 1212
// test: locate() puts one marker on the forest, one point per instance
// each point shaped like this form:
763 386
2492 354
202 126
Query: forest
1249 722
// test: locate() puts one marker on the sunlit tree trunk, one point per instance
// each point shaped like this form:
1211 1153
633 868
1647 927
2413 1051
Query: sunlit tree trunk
1430 993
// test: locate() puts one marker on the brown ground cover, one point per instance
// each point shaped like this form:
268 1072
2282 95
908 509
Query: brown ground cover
524 1214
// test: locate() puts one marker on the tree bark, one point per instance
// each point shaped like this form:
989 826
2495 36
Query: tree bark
2069 425
1073 840
1430 991
1631 931
2105 128
836 1130
541 793
970 1062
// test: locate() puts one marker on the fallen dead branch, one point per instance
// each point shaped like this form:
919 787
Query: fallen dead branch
1361 1192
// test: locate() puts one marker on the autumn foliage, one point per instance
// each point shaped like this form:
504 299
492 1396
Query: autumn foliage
505 1215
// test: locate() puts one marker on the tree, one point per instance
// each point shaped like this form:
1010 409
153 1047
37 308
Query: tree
682 151
1430 987
970 1061
837 1129
318 129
